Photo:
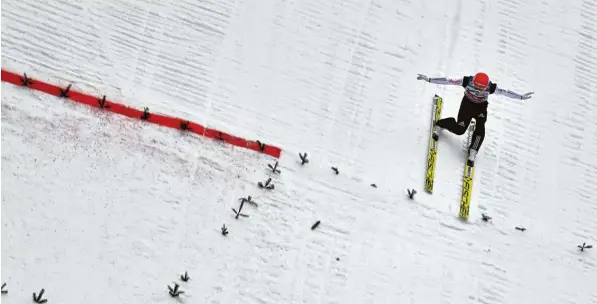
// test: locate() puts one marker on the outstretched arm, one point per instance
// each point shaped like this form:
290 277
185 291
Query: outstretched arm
512 94
441 80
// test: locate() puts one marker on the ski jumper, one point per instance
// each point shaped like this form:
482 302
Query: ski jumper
473 105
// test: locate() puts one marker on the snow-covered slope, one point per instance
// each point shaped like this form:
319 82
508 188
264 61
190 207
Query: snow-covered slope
101 209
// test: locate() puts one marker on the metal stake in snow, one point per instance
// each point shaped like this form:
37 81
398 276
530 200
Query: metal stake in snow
261 146
274 167
26 81
266 185
145 114
411 193
38 299
102 102
184 125
304 159
64 93
247 200
174 292
584 246
185 277
242 203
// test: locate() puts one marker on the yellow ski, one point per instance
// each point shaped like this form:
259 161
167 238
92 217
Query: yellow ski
431 156
467 180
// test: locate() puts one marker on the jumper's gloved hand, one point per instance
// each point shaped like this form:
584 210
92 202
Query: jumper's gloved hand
422 77
527 95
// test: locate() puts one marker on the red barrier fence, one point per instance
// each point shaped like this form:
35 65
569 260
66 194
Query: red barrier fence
162 120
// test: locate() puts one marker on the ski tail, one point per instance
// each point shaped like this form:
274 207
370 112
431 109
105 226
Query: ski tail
467 179
433 144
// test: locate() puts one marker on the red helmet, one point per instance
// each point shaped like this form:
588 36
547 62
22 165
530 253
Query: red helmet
481 81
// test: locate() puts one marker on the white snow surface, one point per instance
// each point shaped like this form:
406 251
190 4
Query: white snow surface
97 208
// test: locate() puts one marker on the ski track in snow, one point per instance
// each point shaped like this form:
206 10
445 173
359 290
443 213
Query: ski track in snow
121 208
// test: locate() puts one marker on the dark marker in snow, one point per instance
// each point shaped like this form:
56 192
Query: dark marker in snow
26 81
315 225
248 200
102 102
238 213
38 299
274 167
185 277
184 125
485 217
261 146
335 170
174 292
266 185
224 229
64 93
584 246
411 193
4 291
145 114
520 228
304 159
242 203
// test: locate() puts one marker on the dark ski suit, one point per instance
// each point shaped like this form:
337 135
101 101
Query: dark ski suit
473 105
